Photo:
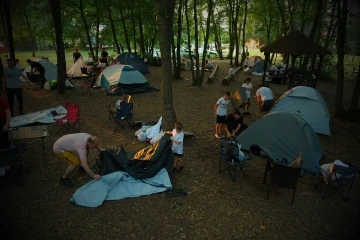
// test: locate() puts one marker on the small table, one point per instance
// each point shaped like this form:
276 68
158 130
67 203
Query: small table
30 132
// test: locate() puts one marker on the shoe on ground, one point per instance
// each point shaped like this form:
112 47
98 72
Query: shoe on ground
217 135
221 135
66 182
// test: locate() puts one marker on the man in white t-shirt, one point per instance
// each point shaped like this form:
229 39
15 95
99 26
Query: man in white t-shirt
265 99
220 112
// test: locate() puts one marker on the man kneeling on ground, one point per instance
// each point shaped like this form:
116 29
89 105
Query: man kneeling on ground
234 125
67 146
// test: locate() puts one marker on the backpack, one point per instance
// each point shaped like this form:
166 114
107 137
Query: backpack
231 150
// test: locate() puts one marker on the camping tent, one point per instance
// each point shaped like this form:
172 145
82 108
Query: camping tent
252 60
123 79
308 103
50 69
284 135
258 68
133 60
75 69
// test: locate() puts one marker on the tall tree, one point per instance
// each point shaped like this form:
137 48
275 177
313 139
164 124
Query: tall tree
342 12
165 17
7 8
29 28
60 50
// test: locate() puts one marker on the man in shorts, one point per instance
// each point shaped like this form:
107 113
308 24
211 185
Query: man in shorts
220 112
265 98
74 149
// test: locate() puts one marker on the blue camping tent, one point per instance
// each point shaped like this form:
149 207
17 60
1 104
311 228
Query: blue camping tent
308 103
123 79
284 135
132 59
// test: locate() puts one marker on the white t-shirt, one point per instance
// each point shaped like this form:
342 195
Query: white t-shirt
247 86
178 148
265 93
221 109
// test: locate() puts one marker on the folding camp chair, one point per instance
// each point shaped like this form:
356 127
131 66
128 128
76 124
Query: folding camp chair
88 86
284 176
72 118
340 180
114 105
229 160
124 113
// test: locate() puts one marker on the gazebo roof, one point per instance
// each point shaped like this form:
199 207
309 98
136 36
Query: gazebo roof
294 43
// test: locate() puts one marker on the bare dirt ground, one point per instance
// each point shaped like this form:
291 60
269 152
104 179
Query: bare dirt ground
215 208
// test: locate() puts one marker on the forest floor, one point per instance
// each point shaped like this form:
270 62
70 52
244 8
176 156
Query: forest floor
215 208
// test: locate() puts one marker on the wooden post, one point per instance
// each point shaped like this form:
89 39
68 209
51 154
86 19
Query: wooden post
230 76
267 57
210 79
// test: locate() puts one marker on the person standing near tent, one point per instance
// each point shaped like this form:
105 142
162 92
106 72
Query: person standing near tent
12 84
234 125
248 86
220 112
76 55
37 71
177 138
74 149
265 98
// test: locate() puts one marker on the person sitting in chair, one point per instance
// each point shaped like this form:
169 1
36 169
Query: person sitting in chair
234 125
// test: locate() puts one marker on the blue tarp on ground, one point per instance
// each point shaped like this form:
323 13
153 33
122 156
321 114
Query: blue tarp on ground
120 185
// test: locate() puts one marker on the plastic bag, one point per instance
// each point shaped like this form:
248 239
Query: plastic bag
241 155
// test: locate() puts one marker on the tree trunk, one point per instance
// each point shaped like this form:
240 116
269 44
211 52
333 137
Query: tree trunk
7 8
97 32
196 36
3 22
29 28
60 49
112 26
188 40
235 32
313 31
86 26
133 25
217 37
177 74
165 17
141 33
355 94
342 8
125 31
243 34
206 39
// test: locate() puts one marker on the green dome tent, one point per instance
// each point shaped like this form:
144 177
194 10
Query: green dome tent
308 103
123 79
284 135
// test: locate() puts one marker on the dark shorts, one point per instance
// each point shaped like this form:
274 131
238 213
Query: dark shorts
266 107
177 155
220 119
248 102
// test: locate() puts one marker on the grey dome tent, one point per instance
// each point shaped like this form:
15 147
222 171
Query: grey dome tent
283 135
50 69
133 60
258 68
123 79
308 103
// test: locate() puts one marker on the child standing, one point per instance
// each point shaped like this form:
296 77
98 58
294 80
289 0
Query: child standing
220 112
177 139
248 86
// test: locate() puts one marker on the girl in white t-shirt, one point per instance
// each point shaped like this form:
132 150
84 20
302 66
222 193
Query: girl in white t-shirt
248 86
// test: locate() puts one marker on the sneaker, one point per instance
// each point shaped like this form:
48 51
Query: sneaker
66 182
221 135
217 135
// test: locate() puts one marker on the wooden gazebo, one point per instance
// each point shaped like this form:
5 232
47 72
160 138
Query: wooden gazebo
293 44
